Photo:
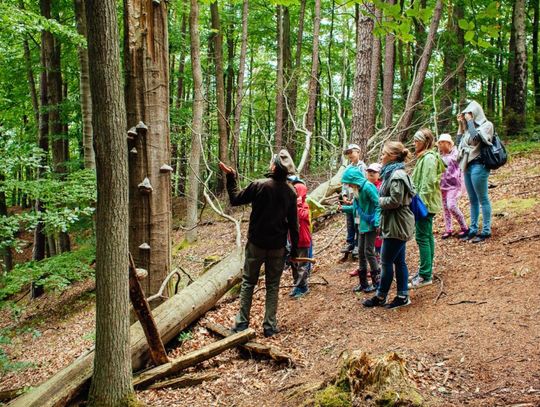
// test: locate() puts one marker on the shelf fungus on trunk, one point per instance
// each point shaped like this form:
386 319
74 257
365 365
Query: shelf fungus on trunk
165 168
142 129
145 187
132 133
133 151
144 246
141 273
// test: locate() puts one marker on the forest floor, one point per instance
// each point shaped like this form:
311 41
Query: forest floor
471 338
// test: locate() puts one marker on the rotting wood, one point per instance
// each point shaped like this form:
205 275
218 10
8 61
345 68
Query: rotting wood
171 317
144 314
253 347
10 394
186 380
192 358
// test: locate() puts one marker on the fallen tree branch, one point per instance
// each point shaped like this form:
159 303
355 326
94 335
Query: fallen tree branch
332 240
441 289
520 239
192 358
468 302
253 347
10 394
186 380
159 294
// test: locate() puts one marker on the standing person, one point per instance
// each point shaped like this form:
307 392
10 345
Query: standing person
373 174
366 210
426 177
397 225
451 183
300 271
474 129
273 217
352 152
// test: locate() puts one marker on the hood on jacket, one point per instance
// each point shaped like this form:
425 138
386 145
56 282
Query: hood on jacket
477 112
301 191
353 176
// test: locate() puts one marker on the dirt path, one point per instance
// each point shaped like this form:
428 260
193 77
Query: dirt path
476 344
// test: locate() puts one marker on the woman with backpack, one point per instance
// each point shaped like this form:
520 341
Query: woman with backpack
474 130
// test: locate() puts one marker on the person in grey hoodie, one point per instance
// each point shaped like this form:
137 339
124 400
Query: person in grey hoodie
475 129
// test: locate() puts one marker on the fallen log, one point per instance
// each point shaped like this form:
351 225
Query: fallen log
253 347
6 395
186 380
171 317
192 358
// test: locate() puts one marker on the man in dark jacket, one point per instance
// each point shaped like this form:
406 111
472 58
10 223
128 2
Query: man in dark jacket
273 217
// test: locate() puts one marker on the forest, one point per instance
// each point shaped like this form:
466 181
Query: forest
114 117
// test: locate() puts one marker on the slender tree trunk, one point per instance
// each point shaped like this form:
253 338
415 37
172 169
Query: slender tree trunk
278 140
146 53
288 134
516 92
330 102
240 85
450 64
388 77
415 94
313 78
230 78
111 382
374 78
182 64
197 124
86 96
535 61
217 39
31 80
360 102
7 254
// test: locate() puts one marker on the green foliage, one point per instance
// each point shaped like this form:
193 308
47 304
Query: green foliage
7 365
185 336
54 273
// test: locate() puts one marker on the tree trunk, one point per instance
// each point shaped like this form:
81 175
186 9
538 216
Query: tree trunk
182 64
146 53
7 254
31 81
86 96
360 102
374 78
415 93
111 382
240 86
535 61
217 39
287 73
197 124
171 317
278 140
516 91
229 87
388 77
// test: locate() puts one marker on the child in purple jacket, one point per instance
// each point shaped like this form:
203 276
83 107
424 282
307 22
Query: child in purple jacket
451 185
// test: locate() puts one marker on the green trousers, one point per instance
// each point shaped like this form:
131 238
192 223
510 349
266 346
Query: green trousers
426 246
274 261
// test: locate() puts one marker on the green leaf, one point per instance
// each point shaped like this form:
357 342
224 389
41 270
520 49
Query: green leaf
483 43
469 36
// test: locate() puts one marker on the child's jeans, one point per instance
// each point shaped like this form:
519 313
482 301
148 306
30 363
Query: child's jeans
476 181
450 200
393 254
366 254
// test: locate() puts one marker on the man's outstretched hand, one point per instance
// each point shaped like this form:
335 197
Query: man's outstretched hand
225 168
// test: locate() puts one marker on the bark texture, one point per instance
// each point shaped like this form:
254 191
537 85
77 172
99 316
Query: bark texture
388 77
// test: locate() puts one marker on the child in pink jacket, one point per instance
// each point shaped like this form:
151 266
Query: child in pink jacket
451 185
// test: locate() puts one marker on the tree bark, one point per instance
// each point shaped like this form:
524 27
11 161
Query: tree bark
313 78
415 93
240 85
516 91
217 39
278 139
111 382
31 81
146 53
360 102
197 124
86 96
186 380
535 61
388 77
7 254
374 78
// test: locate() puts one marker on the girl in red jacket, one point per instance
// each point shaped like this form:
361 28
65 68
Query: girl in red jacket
301 270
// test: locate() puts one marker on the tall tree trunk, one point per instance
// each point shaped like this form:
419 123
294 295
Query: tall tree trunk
217 39
240 85
516 91
278 140
111 382
535 61
287 73
314 75
229 83
360 102
415 94
7 254
388 77
31 81
86 96
374 78
182 63
330 102
146 53
197 124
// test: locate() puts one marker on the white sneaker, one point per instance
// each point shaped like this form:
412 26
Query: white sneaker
418 282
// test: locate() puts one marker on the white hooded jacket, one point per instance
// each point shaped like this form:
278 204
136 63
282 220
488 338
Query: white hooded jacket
479 130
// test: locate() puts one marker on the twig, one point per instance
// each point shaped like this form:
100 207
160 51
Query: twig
441 289
324 282
332 239
519 239
468 302
159 294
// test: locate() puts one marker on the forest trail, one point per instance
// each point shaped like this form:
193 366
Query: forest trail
476 344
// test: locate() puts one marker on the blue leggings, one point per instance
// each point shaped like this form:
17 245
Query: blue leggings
476 182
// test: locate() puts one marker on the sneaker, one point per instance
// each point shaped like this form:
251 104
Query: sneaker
413 276
355 251
354 273
398 301
374 301
468 236
369 289
239 327
301 291
269 332
293 292
358 288
446 235
462 234
347 249
480 238
419 281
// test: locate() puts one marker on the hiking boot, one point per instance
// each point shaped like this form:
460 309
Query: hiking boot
239 327
300 292
374 301
419 281
446 235
468 236
347 248
480 238
398 301
269 332
354 273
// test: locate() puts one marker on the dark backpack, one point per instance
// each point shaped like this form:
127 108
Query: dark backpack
493 156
